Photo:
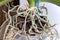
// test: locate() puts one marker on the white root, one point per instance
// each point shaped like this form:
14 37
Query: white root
31 12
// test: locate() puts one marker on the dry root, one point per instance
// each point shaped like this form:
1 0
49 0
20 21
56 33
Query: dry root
30 22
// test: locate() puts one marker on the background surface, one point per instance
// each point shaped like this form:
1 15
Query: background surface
53 14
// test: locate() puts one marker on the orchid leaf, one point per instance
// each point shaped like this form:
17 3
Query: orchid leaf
3 2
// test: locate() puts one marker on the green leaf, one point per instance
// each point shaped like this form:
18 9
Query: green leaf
2 2
31 3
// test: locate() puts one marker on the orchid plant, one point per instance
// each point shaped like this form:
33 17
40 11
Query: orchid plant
30 14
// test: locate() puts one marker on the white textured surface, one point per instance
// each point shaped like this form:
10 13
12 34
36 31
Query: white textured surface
23 4
53 14
20 37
